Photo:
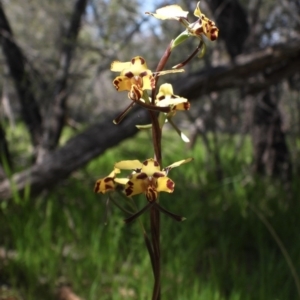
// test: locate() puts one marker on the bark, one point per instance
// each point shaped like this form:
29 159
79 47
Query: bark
271 154
56 118
252 73
5 159
17 68
231 17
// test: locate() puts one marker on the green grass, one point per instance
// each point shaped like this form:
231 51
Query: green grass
222 251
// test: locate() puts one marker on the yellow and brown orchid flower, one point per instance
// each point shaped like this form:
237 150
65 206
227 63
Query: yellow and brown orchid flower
166 97
203 26
148 178
136 78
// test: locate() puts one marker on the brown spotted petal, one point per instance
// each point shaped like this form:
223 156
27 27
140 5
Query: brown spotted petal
122 83
165 184
203 25
106 184
132 73
150 166
137 184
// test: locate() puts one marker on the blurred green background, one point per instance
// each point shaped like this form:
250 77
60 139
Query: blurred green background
240 195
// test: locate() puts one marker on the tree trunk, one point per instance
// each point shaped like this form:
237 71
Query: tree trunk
271 154
16 64
5 159
57 115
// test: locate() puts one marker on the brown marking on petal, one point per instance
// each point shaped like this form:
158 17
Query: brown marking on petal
199 31
143 74
151 194
186 105
133 61
142 61
128 191
214 33
97 186
108 179
157 175
156 164
117 82
142 176
161 98
129 74
108 187
145 163
135 93
170 185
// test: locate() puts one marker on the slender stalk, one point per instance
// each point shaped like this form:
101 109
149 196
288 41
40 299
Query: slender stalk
154 211
155 234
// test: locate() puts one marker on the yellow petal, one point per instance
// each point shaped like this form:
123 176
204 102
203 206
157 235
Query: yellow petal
171 101
178 163
104 185
197 11
122 181
148 82
182 106
122 83
203 25
138 184
150 167
129 165
169 12
117 66
165 89
168 72
165 184
210 29
137 65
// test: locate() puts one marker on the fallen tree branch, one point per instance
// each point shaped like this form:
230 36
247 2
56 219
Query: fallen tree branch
252 72
75 154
